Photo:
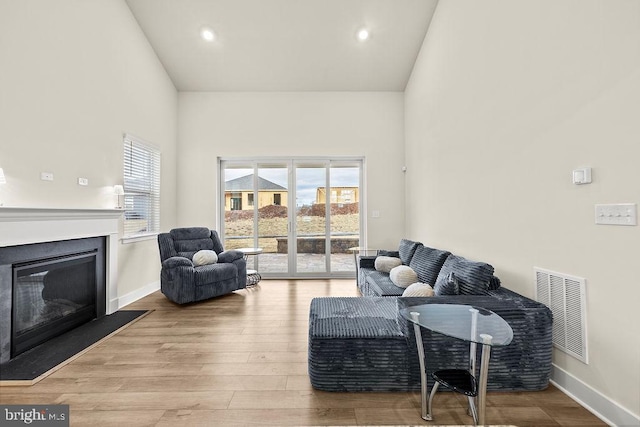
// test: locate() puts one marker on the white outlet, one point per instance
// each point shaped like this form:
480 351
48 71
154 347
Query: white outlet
616 214
46 176
375 214
83 181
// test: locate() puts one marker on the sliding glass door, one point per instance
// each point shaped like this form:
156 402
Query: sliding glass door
310 231
344 224
273 217
303 213
254 211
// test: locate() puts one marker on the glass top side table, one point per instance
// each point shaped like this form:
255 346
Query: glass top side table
253 277
361 250
475 325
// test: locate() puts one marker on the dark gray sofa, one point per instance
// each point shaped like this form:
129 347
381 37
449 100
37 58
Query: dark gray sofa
363 344
475 278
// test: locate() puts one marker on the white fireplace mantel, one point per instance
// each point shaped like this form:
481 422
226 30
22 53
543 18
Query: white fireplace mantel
22 226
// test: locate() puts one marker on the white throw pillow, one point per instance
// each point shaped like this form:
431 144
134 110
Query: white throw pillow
403 276
386 263
204 257
418 290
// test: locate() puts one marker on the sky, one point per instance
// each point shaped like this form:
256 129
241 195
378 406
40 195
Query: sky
308 179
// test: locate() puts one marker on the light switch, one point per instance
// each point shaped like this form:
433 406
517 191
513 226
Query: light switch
375 214
582 176
616 214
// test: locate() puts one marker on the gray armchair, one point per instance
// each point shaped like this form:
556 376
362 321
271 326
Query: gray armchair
182 282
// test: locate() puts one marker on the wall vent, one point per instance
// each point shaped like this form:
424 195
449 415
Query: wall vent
566 297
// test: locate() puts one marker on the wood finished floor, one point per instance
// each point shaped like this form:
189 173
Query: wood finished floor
241 359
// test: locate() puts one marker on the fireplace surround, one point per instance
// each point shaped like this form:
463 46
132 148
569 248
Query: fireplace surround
39 242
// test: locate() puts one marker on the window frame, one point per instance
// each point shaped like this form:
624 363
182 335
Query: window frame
143 159
254 165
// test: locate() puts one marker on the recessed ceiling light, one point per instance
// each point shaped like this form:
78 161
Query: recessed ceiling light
363 34
207 34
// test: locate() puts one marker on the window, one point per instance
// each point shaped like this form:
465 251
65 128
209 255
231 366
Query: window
141 187
250 199
236 201
276 199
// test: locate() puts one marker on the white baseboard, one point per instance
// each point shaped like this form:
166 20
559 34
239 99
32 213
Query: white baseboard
600 405
134 296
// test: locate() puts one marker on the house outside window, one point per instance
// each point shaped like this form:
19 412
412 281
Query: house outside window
241 188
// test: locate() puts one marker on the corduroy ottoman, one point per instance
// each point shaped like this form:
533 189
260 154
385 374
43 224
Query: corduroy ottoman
362 344
355 344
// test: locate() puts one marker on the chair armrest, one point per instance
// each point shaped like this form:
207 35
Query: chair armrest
230 255
177 261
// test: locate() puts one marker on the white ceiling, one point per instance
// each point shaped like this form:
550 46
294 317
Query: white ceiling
286 45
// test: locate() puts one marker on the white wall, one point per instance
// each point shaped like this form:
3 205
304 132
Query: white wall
216 124
75 75
506 98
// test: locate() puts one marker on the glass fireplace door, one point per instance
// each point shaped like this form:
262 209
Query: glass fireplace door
51 297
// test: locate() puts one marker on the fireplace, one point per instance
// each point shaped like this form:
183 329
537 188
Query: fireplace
58 269
54 295
55 287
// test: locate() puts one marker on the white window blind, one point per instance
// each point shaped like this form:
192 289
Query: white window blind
141 187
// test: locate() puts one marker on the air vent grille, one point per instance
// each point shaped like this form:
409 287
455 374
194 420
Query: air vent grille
565 296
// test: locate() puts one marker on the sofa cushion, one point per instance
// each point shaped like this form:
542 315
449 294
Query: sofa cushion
379 284
494 283
447 286
406 249
473 277
418 290
386 263
427 262
359 317
190 233
188 241
403 276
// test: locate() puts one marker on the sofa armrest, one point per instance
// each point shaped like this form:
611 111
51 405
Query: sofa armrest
368 261
384 252
230 255
177 261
